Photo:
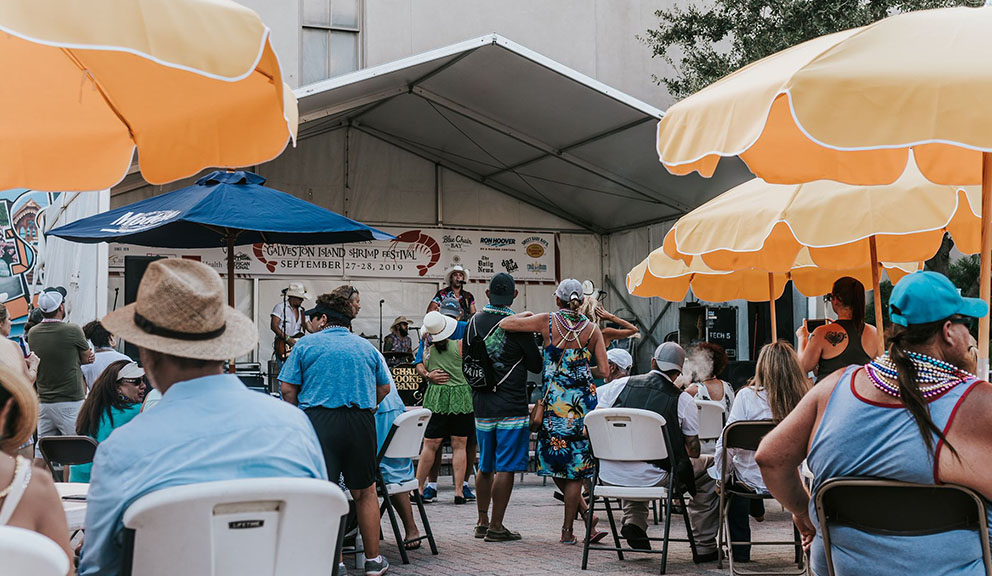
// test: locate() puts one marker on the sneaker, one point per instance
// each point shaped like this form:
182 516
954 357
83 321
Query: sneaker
504 535
469 495
430 494
480 531
376 567
342 569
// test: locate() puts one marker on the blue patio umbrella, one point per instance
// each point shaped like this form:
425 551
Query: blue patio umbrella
221 209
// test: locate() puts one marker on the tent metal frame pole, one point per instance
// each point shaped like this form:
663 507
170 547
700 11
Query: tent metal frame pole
771 306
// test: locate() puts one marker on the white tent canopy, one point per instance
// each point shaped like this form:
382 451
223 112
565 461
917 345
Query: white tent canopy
518 122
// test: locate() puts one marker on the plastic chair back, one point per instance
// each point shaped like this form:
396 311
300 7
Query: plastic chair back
259 526
406 435
26 552
900 509
711 419
746 434
67 450
626 434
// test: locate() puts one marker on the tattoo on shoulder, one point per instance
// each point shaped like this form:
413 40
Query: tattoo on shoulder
836 338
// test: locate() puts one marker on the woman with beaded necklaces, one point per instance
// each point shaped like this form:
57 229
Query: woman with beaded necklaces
913 414
571 342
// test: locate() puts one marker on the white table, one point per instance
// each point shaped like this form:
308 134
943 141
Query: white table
75 510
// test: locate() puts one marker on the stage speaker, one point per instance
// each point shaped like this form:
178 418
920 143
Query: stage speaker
134 269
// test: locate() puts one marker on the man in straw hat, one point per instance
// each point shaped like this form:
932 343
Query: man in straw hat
287 320
208 426
398 340
338 378
456 277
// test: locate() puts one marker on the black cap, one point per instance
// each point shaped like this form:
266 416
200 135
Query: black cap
60 289
501 289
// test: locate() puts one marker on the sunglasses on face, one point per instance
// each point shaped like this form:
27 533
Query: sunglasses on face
132 381
966 321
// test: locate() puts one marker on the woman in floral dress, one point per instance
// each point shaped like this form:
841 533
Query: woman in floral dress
568 392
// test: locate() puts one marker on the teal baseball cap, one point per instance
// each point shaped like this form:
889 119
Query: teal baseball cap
924 297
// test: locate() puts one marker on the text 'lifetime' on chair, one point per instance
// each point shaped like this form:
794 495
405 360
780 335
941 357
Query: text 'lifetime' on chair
631 435
900 509
26 552
258 526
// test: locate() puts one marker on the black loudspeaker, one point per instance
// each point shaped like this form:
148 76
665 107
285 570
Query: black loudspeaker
134 269
739 372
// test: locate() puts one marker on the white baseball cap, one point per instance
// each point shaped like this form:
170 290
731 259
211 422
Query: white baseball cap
130 370
49 301
620 357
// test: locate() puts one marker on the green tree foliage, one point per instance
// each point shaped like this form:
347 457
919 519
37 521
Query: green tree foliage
705 40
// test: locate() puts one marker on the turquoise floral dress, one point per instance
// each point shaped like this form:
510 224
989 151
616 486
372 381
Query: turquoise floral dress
562 448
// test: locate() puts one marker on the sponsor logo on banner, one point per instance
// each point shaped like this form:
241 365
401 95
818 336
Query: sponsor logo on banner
486 266
535 246
537 268
423 243
455 241
495 242
138 221
510 266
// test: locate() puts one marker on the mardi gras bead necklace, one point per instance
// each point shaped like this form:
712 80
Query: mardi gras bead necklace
934 377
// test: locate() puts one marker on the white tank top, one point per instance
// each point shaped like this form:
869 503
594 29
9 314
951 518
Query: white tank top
22 476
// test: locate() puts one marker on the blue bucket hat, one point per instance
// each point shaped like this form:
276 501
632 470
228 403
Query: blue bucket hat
924 297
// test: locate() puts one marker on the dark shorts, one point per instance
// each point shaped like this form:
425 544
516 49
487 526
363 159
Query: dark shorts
444 425
347 438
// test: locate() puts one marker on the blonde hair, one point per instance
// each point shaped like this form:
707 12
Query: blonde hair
23 418
779 374
588 308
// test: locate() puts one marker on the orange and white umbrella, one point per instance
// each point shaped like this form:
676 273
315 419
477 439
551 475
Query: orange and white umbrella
189 84
660 275
850 106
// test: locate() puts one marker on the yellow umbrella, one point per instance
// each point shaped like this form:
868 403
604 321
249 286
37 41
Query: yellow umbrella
670 279
849 107
188 83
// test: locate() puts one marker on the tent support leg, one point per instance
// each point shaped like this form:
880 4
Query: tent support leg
771 306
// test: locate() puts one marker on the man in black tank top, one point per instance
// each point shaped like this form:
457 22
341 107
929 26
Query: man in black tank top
656 391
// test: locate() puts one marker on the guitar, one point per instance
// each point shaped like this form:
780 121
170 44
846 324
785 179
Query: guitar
282 347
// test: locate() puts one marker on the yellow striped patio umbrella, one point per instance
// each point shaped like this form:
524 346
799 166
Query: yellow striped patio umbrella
189 84
850 106
671 278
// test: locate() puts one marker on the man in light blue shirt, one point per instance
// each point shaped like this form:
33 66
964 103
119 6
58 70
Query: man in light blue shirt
338 378
208 425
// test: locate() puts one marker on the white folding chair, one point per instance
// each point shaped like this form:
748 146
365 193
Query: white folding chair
631 435
404 441
26 552
259 526
712 418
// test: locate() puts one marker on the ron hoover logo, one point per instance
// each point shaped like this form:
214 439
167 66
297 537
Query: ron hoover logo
138 221
497 242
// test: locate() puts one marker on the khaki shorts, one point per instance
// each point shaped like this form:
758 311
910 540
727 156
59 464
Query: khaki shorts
57 419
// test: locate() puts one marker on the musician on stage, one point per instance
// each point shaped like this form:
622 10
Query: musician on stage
397 346
456 277
287 321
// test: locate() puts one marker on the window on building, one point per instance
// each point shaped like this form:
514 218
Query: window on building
330 38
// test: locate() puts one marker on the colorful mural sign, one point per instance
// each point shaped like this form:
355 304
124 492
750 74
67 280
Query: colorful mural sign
19 235
414 254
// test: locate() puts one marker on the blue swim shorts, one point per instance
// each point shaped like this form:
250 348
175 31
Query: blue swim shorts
503 444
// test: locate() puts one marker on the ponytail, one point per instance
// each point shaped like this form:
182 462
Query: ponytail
575 305
909 391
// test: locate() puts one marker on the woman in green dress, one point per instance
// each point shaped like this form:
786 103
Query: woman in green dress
448 397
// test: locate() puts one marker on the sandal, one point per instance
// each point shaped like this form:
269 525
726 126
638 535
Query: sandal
412 545
596 535
567 537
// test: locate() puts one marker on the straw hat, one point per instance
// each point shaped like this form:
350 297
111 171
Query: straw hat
452 270
439 326
297 290
399 320
181 310
26 414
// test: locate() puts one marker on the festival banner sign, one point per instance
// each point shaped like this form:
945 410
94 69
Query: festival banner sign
415 253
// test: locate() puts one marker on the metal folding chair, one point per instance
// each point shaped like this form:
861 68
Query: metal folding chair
66 451
746 435
900 509
631 435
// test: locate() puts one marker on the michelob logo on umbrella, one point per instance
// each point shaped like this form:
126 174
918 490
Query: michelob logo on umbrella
136 222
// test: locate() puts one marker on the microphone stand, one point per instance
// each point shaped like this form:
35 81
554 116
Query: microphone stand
380 324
